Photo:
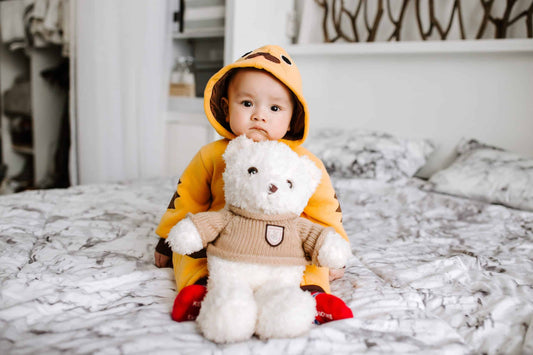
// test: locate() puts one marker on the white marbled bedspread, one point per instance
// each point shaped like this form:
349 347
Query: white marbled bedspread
430 274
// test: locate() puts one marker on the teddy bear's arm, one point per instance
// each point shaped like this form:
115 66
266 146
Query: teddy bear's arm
195 231
334 251
324 246
210 224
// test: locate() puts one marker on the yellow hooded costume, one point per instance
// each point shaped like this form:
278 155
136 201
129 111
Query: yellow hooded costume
200 188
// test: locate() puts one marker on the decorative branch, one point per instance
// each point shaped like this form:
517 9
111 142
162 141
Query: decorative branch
528 14
353 19
396 34
324 5
337 23
529 21
434 22
423 34
444 33
335 14
373 29
487 8
502 24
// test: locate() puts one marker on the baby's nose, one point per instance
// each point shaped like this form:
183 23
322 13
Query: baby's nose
259 114
272 188
258 117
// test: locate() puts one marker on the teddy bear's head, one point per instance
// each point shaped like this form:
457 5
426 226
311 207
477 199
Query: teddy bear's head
268 177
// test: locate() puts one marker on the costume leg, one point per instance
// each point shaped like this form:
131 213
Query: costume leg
188 270
328 306
316 276
188 303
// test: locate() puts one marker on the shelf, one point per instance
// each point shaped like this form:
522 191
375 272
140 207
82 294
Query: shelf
186 104
215 65
186 110
187 118
413 47
198 34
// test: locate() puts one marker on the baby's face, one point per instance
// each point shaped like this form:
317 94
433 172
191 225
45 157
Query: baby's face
259 105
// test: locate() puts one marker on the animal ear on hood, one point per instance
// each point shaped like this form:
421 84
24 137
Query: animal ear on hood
236 145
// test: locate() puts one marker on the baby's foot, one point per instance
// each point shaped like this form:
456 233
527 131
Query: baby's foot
330 308
188 302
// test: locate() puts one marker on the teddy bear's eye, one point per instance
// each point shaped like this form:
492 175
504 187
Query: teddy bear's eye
252 170
290 184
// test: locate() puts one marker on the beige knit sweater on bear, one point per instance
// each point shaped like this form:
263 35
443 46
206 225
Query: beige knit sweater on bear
239 235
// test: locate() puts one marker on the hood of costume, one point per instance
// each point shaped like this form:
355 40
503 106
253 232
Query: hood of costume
276 61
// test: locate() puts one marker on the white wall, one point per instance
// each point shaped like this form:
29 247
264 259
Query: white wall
443 95
251 24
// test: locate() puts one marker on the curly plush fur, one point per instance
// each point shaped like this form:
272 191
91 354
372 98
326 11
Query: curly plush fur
246 298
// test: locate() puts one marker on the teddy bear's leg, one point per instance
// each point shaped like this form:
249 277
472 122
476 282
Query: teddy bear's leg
228 314
284 311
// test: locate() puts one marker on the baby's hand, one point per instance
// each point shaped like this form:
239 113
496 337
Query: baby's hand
335 274
161 260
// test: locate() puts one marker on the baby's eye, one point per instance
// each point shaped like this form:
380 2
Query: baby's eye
290 184
246 103
252 170
275 108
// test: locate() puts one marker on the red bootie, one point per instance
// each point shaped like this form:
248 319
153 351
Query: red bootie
330 308
188 302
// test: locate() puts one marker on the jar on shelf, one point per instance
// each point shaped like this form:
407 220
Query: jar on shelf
182 81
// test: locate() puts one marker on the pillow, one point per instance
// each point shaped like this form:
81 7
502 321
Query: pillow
488 174
369 155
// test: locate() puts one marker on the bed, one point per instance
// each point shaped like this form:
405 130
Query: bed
431 272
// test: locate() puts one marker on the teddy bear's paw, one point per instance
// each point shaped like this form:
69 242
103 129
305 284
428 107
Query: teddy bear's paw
334 252
184 238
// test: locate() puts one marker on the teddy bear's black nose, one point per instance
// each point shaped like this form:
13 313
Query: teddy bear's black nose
272 188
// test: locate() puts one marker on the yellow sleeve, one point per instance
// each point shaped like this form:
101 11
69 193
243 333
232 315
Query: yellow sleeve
192 194
324 207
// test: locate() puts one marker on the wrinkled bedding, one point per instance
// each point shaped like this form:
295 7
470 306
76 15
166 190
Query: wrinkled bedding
431 273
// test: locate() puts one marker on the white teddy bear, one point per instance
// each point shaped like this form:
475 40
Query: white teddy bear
258 246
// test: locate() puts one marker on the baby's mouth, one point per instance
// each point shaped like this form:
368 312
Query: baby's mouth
259 130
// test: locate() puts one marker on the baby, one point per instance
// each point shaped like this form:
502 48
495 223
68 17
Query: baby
260 96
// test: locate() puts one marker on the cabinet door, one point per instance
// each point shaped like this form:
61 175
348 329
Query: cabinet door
253 23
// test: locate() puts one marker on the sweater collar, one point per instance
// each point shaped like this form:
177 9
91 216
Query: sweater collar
261 216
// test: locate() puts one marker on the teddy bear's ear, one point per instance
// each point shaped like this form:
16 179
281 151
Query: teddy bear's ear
236 145
314 172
